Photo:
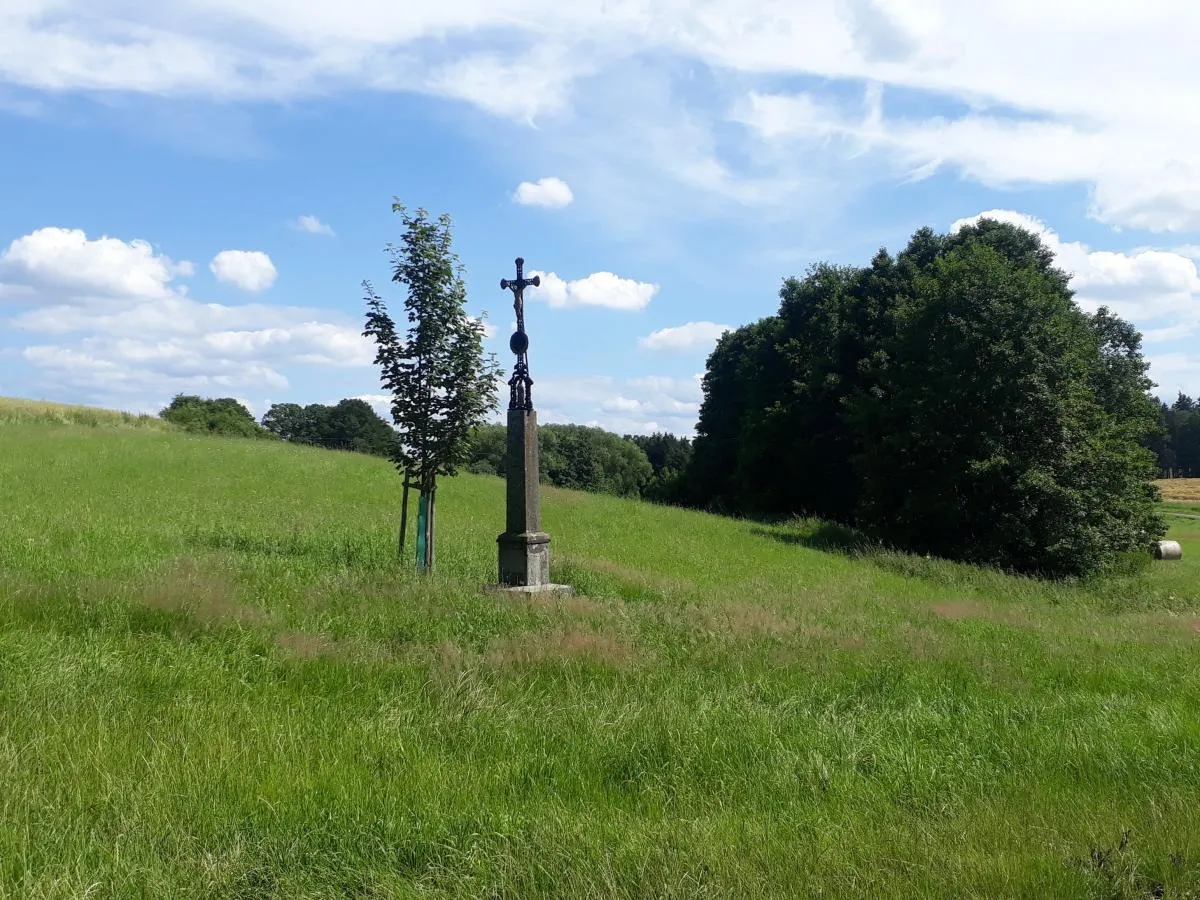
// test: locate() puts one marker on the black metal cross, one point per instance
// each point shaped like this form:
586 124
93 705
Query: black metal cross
518 288
520 386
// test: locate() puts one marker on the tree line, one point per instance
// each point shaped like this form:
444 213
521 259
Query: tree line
350 424
1176 444
591 459
571 456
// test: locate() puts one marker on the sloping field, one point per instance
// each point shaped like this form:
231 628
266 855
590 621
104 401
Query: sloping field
17 412
1181 494
215 681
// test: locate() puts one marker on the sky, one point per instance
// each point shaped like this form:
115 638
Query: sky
191 192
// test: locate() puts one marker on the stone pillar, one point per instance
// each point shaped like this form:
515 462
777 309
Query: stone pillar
524 547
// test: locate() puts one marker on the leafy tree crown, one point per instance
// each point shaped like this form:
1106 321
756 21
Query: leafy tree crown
441 383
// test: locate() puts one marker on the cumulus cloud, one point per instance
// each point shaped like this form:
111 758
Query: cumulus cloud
124 365
602 289
250 270
690 336
313 225
66 259
116 322
552 193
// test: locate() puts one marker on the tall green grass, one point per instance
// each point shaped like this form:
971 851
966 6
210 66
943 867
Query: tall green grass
216 681
26 412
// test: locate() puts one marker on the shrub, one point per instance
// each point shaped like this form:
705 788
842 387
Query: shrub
223 415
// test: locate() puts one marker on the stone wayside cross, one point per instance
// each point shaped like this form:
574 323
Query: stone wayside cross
524 547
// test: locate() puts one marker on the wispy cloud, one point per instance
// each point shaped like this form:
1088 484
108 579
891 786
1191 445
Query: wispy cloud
690 336
313 225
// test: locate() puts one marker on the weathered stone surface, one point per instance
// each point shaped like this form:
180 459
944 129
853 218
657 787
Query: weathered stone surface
524 558
564 590
524 547
524 514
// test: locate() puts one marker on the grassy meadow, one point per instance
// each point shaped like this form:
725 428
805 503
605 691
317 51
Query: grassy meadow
216 681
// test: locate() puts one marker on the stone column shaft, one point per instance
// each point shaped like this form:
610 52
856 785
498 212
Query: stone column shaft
524 547
524 513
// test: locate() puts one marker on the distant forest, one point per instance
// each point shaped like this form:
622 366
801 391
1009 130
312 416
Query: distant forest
1177 445
583 458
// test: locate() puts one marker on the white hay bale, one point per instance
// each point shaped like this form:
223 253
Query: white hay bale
1168 550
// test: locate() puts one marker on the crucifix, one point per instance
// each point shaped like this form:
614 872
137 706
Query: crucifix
524 549
520 386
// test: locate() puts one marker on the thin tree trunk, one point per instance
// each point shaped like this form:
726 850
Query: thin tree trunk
403 518
429 541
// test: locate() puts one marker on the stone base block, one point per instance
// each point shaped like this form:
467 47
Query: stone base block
524 559
564 590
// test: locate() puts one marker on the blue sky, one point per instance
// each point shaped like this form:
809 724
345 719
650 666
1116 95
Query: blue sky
191 196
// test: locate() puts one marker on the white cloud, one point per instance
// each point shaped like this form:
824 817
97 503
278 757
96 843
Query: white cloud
313 225
1136 179
690 336
626 406
118 323
1175 372
142 366
598 289
552 193
535 82
1130 142
66 259
250 270
311 343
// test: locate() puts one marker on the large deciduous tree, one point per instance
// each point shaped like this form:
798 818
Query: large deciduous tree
350 424
442 385
952 400
1003 433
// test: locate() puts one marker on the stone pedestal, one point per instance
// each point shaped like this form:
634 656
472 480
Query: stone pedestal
524 549
524 559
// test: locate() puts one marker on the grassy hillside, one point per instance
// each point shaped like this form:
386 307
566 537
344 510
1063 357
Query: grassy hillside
215 681
26 412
